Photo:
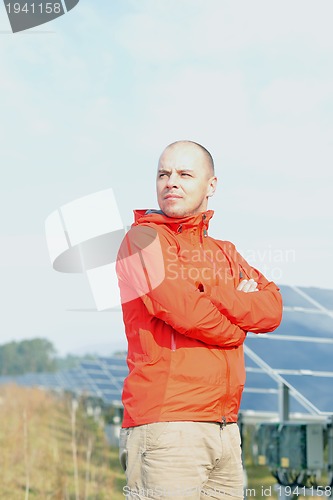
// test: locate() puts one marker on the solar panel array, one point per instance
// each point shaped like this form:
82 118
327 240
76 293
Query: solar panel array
299 353
107 376
101 378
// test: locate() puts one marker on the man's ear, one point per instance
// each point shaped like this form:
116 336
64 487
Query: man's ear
211 186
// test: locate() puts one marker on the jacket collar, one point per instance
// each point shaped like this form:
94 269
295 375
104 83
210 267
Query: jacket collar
158 217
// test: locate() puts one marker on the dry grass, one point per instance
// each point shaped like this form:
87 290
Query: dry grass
260 483
47 452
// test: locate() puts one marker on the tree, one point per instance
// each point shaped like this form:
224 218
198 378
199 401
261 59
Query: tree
35 355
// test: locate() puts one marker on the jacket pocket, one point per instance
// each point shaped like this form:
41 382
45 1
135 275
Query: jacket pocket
149 346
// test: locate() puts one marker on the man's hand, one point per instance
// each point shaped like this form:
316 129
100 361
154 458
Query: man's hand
248 286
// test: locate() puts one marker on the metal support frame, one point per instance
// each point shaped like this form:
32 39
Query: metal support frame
283 402
330 453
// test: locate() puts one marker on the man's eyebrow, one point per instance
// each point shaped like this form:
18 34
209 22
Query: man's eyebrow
166 170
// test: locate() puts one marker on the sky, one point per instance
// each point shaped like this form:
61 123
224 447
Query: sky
89 101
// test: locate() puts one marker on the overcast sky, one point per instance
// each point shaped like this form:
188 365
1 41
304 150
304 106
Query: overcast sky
89 101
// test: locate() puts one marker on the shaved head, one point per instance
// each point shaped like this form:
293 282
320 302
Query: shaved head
185 179
209 162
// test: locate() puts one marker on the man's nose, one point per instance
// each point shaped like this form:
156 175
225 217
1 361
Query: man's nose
173 180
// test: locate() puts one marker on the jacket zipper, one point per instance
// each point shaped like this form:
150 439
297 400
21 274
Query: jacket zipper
204 234
227 389
242 273
173 337
202 231
179 230
173 342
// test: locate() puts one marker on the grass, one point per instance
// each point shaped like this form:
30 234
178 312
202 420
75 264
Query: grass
260 483
51 450
43 456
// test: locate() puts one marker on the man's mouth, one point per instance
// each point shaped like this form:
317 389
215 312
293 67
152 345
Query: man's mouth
172 196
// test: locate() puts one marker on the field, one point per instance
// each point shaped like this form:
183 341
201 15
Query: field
50 449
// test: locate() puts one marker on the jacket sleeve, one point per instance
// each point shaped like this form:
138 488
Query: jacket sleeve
143 265
256 312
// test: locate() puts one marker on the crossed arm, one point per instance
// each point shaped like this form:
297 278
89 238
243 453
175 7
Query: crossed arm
142 272
255 312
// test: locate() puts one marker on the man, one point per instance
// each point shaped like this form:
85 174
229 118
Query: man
187 307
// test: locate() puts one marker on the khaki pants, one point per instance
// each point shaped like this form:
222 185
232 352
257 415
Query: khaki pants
182 460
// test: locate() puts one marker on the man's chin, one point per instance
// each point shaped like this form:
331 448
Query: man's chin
173 212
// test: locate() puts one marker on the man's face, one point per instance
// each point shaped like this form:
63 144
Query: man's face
184 181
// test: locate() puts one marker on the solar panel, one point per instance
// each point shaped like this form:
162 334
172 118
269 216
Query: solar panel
259 380
121 362
306 324
259 402
112 401
292 354
318 390
292 299
119 373
99 376
320 295
104 386
91 365
110 391
299 352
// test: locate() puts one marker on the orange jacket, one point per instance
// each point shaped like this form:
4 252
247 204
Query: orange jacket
185 321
